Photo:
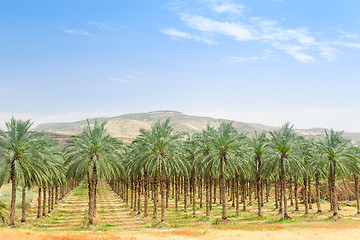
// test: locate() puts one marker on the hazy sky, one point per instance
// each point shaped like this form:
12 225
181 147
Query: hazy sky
265 61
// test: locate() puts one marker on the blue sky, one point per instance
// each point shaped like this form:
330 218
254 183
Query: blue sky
266 61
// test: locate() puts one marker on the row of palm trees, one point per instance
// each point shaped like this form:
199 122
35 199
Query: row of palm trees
177 164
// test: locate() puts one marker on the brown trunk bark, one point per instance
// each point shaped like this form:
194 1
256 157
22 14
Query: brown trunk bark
283 178
296 196
155 196
317 187
306 196
136 182
13 195
267 190
291 192
215 184
201 192
146 200
162 190
336 206
223 190
243 195
309 192
276 194
237 205
208 193
92 196
44 202
177 192
23 205
49 200
167 191
139 195
185 193
39 203
56 194
258 192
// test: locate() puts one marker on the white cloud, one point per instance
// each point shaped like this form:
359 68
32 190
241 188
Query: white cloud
238 31
79 32
102 25
179 35
229 7
257 29
119 80
267 55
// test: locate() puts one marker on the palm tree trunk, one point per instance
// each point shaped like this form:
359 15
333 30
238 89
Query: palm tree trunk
296 196
13 195
92 199
200 192
132 193
44 202
309 192
223 190
49 200
317 187
167 191
136 181
208 193
155 195
243 195
356 183
305 196
291 192
215 184
23 205
56 194
177 192
283 180
276 194
146 200
185 193
336 206
237 205
162 190
258 192
194 194
139 195
39 203
267 190
52 197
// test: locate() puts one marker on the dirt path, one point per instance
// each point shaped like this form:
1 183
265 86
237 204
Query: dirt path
71 213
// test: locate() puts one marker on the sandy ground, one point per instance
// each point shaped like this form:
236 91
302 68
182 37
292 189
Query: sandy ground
328 231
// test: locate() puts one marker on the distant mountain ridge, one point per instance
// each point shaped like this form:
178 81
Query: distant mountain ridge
127 126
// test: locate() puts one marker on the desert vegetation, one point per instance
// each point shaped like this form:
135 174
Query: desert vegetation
203 176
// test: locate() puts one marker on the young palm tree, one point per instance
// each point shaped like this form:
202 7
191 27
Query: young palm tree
92 154
21 149
283 141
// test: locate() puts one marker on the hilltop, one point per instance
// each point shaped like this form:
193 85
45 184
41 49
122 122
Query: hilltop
127 126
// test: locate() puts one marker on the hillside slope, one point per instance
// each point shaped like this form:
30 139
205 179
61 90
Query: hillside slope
127 126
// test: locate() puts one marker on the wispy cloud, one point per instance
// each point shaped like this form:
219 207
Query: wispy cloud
79 32
229 7
267 55
300 43
179 35
102 25
119 80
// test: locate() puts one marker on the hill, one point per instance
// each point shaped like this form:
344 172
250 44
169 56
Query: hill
127 126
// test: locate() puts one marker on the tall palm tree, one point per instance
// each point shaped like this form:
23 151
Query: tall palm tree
340 159
225 143
21 149
160 155
283 141
258 146
92 154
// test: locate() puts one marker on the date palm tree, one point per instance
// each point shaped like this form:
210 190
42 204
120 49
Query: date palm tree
160 155
21 151
92 154
283 142
340 159
225 143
